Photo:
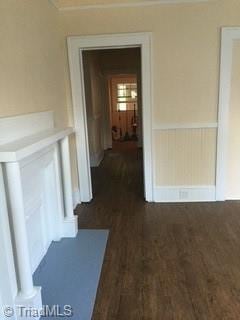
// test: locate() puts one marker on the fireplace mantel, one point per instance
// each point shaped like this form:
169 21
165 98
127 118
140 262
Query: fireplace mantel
36 186
19 149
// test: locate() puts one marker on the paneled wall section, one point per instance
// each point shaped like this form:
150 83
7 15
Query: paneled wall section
185 156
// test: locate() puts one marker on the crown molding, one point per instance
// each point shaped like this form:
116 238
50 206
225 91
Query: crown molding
143 3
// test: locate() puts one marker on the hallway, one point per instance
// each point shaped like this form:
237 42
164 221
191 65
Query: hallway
163 261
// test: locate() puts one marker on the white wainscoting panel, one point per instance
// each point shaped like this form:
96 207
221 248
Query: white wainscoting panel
185 194
185 157
185 162
39 211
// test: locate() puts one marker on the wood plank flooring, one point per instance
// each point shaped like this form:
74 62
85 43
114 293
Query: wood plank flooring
163 261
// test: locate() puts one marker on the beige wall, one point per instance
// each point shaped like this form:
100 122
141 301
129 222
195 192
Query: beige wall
233 167
186 44
31 58
32 62
186 47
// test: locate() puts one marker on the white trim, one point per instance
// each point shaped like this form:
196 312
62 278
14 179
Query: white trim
184 193
8 279
25 147
126 4
175 126
76 45
228 36
76 198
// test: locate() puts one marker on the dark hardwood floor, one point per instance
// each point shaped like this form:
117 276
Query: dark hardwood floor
163 261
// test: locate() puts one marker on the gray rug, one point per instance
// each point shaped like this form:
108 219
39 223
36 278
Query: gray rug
69 275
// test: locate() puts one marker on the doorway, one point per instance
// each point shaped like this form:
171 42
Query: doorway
76 46
112 83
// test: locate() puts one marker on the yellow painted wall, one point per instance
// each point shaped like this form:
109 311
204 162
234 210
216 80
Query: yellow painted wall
31 59
186 52
186 47
233 167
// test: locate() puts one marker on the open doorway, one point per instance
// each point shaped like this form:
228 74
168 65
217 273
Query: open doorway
112 82
76 47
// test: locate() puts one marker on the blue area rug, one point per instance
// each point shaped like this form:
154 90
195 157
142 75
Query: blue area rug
70 272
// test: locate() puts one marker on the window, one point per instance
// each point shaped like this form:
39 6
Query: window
126 96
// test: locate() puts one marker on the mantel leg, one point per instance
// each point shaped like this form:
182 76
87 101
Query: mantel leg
69 219
27 292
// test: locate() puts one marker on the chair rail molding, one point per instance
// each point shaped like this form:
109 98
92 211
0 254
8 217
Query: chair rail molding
228 36
182 126
141 3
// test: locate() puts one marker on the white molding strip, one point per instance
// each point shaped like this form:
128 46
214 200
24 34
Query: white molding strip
76 198
185 193
229 35
125 5
175 126
27 146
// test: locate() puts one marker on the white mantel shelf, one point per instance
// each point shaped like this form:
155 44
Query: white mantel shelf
22 148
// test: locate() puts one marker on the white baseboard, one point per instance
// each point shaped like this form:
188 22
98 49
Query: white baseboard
184 194
76 198
70 227
233 198
96 158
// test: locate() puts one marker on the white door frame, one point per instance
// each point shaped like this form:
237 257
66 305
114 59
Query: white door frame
229 34
76 45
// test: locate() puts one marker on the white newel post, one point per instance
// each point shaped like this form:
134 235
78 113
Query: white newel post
26 291
70 220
